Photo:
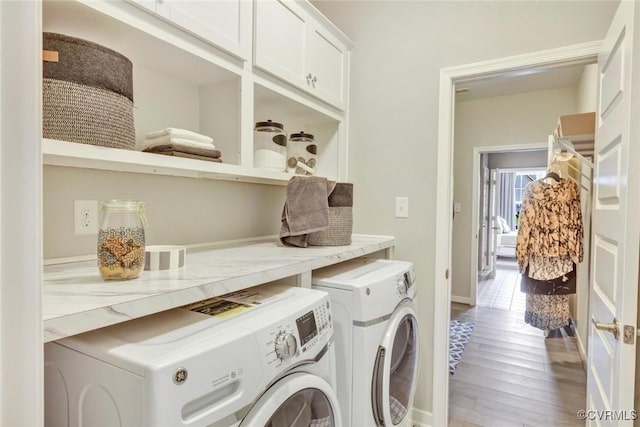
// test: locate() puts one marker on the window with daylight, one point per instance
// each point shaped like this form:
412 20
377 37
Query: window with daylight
522 179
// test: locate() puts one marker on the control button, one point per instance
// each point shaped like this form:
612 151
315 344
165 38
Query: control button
285 345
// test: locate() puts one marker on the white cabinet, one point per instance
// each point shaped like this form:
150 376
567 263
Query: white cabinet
327 61
225 23
296 47
181 81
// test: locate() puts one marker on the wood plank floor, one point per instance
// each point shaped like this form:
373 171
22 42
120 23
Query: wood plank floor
510 374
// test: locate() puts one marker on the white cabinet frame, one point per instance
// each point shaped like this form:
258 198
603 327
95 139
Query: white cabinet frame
21 352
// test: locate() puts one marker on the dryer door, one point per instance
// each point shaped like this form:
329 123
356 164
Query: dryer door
396 368
296 400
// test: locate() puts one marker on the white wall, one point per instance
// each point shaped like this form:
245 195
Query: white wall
179 210
588 89
400 47
526 118
519 159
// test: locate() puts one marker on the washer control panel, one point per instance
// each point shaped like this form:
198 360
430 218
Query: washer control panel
301 336
405 284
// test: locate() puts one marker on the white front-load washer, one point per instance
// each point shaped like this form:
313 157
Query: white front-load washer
258 357
377 348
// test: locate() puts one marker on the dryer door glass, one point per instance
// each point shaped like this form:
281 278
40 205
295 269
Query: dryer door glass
395 372
309 407
403 369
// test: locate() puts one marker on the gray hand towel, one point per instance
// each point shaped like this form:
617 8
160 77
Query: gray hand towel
342 195
187 149
306 209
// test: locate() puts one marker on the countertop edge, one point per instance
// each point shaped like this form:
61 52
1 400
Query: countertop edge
83 321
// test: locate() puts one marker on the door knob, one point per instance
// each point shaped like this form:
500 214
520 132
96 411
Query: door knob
614 327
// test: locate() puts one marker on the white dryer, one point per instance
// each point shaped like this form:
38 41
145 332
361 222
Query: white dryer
259 357
376 339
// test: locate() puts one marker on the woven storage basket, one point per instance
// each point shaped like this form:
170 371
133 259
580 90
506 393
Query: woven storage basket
339 231
85 114
87 94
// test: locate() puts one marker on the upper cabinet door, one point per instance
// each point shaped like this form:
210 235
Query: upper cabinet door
290 44
327 66
280 40
225 23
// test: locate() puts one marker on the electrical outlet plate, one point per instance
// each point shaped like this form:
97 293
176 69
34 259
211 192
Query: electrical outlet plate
85 217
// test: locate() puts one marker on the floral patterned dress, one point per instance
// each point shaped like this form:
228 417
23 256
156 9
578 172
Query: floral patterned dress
549 242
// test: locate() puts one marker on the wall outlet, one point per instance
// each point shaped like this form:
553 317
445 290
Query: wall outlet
85 217
402 207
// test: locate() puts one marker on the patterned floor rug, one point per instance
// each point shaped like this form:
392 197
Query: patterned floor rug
459 333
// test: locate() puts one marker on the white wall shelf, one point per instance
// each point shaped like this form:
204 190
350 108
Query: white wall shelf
76 300
75 155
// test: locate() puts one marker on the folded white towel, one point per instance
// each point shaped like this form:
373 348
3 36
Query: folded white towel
164 140
179 133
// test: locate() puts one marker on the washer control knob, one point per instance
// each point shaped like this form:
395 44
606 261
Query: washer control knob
402 287
286 345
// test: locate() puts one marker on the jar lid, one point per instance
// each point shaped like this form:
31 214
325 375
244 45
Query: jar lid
124 205
301 134
269 123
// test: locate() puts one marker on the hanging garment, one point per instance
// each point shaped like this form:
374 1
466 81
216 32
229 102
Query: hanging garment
547 312
550 233
562 285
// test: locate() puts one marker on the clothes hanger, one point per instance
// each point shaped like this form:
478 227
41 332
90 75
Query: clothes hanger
553 171
553 176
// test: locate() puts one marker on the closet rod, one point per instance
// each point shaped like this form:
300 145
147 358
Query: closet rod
565 143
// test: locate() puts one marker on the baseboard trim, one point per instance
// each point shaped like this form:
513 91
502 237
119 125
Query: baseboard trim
421 418
581 349
461 300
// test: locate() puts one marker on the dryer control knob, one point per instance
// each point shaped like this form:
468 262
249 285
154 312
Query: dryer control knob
286 346
402 287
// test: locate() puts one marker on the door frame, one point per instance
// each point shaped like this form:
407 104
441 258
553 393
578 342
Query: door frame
449 77
475 201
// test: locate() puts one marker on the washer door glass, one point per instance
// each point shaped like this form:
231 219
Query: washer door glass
396 369
309 407
297 400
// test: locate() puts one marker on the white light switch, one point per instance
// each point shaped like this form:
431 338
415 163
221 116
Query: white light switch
457 207
402 207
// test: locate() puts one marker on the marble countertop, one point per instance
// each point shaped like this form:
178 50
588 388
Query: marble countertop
77 300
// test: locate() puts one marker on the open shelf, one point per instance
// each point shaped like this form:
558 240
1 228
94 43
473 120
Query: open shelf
75 155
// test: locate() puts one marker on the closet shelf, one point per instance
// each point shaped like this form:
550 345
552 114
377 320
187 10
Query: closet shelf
71 154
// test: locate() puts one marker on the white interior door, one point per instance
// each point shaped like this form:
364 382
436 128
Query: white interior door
484 220
615 233
495 189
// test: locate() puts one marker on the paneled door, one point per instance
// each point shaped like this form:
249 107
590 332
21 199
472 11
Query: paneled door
615 235
495 200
